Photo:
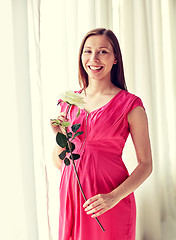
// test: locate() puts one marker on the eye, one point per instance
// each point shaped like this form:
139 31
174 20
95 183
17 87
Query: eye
86 51
103 51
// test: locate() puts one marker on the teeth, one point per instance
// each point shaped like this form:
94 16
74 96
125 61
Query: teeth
94 68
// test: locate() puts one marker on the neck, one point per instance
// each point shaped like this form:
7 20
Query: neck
99 87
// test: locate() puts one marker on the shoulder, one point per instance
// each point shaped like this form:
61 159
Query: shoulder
129 95
130 101
136 112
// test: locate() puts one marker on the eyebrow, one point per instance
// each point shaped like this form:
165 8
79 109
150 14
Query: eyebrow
99 47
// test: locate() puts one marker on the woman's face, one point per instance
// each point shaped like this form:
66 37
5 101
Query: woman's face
98 57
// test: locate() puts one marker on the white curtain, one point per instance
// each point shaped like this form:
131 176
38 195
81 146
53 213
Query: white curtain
147 37
39 54
18 195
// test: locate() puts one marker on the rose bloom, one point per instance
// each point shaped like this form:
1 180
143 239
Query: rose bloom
73 99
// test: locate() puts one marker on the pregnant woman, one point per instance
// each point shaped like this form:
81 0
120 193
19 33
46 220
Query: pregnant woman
109 115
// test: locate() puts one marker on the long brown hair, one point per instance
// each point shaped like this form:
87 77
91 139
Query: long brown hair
117 72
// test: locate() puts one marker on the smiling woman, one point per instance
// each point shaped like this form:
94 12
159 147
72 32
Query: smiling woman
110 113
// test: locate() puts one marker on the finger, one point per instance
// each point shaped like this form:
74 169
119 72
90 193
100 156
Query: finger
92 205
54 123
89 201
56 126
53 120
94 210
98 213
63 114
62 118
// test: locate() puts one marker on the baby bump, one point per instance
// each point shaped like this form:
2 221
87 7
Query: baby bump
102 171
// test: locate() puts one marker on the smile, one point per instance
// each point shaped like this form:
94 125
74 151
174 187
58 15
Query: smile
95 67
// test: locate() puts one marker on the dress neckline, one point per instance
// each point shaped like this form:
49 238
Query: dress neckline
103 105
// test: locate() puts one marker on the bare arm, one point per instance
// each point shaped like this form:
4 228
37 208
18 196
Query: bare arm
139 131
138 124
56 160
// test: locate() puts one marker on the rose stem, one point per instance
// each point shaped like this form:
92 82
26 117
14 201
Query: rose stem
72 159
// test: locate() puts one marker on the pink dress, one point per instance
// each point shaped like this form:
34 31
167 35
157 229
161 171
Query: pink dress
100 169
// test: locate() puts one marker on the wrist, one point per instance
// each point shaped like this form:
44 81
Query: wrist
116 195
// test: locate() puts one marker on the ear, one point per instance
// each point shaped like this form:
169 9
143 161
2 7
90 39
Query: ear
115 61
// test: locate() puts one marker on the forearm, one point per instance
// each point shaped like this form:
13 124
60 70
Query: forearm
137 177
56 160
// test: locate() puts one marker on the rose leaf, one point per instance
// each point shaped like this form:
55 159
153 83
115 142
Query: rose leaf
67 162
61 140
75 127
62 155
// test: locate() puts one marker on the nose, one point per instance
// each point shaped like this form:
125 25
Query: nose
94 57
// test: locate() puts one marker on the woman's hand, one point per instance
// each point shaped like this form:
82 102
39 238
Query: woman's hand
57 128
100 203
